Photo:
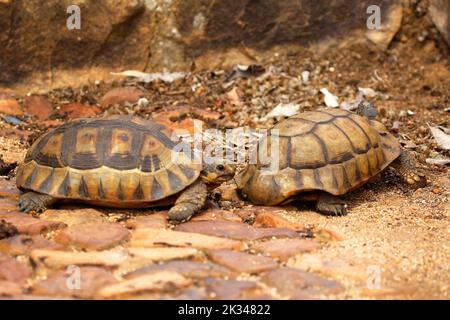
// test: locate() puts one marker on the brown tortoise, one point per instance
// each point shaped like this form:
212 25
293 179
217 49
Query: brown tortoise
322 155
117 162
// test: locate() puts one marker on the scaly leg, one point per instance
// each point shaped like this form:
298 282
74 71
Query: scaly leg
331 205
191 201
406 167
33 201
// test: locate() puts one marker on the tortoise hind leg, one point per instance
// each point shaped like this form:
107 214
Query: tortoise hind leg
191 201
330 205
33 201
406 167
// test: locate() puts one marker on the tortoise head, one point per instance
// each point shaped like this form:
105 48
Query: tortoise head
217 173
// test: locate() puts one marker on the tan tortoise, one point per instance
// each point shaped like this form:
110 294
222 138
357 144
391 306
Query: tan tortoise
324 154
116 162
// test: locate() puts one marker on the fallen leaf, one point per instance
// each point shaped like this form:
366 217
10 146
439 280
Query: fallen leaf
330 99
149 77
442 138
438 161
283 110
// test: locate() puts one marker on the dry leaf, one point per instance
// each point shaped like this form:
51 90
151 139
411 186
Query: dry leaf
442 139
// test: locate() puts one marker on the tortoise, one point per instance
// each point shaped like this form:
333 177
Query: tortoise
324 154
119 161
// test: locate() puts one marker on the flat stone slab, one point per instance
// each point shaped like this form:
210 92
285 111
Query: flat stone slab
216 214
29 225
283 249
23 244
93 236
234 289
79 283
273 219
298 284
242 262
234 230
60 259
73 217
9 289
159 237
8 189
158 281
187 268
13 270
156 220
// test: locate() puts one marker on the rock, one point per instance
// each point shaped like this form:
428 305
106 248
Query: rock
91 279
12 270
188 269
242 262
7 230
38 106
165 35
248 214
158 237
297 284
78 110
10 106
439 11
155 220
327 234
216 214
119 96
391 20
8 205
97 48
8 189
283 249
93 235
162 254
59 259
9 288
73 217
274 220
142 257
158 281
23 244
233 289
234 230
29 225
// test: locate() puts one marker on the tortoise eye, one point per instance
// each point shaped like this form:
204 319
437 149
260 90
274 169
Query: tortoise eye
220 167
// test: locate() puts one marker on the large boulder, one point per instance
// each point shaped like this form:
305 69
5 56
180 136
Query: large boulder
440 14
38 48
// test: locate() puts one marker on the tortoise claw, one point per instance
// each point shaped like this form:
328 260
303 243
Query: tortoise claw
331 206
179 214
36 202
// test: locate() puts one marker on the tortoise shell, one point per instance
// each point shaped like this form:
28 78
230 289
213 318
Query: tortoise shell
115 161
330 150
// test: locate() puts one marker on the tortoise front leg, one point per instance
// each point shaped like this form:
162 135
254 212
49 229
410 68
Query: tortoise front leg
191 201
406 167
331 205
33 201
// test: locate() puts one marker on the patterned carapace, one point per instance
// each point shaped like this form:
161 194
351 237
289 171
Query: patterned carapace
109 159
329 150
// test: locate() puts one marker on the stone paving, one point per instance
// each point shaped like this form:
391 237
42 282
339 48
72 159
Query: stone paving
86 253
